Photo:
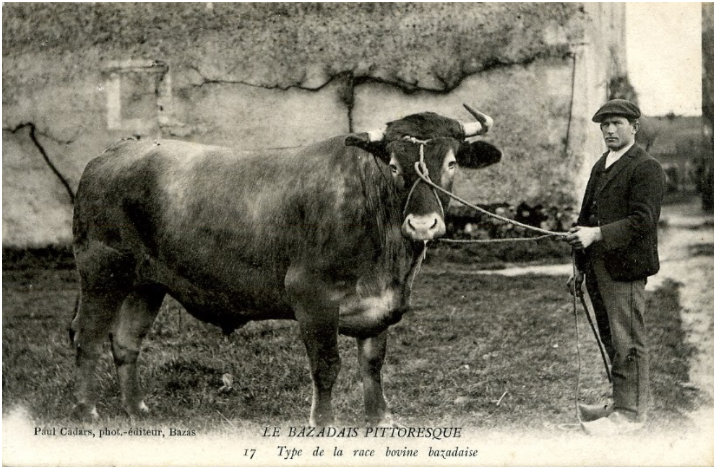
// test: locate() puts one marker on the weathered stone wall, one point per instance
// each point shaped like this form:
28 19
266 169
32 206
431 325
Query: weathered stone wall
271 75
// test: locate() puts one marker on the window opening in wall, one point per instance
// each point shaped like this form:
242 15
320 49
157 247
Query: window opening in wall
137 92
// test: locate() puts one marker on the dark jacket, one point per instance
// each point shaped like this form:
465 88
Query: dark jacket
628 206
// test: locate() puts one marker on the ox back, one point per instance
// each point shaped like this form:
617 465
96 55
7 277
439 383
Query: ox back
218 229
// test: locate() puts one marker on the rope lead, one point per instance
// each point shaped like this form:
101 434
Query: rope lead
421 170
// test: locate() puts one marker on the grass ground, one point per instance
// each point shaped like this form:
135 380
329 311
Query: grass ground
472 341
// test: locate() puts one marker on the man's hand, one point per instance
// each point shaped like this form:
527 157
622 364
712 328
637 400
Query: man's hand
582 237
574 283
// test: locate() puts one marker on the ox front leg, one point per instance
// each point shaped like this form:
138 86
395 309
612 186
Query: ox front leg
371 360
318 317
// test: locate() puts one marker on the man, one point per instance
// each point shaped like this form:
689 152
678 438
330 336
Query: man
616 247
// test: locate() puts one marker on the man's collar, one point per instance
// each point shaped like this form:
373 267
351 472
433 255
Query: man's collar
614 156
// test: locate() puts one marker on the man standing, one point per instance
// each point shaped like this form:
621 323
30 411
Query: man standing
616 246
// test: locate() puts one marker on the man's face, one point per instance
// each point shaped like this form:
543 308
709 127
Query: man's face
618 131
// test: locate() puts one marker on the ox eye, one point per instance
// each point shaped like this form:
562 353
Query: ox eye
452 165
394 169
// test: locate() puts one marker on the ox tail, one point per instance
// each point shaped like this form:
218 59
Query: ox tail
70 329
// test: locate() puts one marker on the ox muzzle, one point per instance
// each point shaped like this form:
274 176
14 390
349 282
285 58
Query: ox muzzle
422 228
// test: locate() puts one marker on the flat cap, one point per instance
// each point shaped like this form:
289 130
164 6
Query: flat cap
620 107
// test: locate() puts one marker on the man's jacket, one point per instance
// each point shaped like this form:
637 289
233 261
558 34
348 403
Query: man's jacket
627 207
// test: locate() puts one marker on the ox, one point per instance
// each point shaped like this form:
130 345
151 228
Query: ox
330 235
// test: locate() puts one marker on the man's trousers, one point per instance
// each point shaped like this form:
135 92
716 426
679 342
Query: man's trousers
619 308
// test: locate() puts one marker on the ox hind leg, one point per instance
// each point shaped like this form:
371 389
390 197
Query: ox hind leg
106 279
371 360
135 318
318 316
90 328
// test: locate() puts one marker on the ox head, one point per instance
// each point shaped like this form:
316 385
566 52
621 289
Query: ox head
441 143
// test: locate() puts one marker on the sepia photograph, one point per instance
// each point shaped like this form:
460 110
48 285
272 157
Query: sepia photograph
459 234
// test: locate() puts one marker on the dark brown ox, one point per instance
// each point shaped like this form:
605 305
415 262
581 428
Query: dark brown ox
328 235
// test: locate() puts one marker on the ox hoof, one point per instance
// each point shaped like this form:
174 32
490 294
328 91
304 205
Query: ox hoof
324 423
84 412
139 410
386 422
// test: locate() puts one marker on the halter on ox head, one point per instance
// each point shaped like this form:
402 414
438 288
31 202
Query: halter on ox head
435 146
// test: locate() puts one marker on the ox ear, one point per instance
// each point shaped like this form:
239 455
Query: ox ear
363 141
478 154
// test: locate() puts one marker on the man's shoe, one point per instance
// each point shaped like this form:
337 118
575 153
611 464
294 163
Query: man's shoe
615 424
594 412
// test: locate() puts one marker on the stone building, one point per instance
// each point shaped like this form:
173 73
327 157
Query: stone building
78 77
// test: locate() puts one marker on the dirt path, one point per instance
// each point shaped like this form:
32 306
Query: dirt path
686 248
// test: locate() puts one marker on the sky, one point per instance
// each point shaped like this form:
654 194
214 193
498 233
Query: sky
663 42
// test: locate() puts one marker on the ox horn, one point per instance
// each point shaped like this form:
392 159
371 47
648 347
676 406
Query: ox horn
376 135
483 125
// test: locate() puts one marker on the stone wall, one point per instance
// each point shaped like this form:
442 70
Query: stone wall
77 77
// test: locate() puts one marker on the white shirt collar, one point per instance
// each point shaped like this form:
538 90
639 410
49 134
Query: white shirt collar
615 155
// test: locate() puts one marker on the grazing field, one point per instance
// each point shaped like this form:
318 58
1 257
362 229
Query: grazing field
480 351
